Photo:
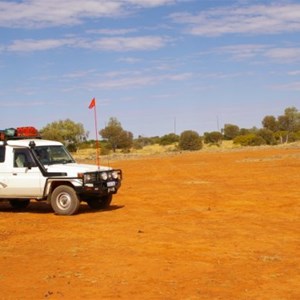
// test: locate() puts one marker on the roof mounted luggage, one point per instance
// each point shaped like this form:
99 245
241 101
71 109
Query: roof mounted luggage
27 132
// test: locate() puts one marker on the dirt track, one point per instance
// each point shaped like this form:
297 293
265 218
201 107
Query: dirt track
218 225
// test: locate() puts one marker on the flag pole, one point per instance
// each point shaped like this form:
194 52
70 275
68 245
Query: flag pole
93 105
97 140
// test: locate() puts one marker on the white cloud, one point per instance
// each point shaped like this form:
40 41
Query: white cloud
123 82
120 31
36 45
121 44
151 3
243 51
129 43
284 54
41 13
262 51
135 79
256 19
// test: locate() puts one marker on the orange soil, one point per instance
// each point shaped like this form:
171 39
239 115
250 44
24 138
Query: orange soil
205 225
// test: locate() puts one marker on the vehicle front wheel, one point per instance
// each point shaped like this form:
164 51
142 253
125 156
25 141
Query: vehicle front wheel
19 204
99 202
64 200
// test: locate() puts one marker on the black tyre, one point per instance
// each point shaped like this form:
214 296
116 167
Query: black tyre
99 202
64 200
19 204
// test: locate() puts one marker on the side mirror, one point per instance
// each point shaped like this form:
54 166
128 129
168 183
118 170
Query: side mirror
29 164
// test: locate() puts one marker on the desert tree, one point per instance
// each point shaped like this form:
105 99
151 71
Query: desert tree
66 131
116 136
289 122
231 131
267 135
270 123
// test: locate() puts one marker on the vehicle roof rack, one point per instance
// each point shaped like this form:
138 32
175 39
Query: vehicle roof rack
27 132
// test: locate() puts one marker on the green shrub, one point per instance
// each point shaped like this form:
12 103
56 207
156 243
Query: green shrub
213 138
297 135
293 137
251 139
267 135
190 140
169 139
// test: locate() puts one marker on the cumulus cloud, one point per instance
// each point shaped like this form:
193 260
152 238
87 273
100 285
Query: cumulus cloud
255 19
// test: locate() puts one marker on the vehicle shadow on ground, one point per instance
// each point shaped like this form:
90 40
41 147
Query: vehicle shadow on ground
44 208
84 208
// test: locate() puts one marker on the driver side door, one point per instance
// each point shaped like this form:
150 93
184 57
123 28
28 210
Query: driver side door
25 179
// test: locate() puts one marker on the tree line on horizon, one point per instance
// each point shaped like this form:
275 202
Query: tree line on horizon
275 130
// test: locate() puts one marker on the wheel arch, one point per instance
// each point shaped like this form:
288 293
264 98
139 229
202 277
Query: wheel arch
52 184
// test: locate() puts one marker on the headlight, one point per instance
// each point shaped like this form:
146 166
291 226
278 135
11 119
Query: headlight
115 174
88 178
104 176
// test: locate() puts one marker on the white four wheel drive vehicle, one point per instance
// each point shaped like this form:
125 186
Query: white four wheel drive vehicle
32 168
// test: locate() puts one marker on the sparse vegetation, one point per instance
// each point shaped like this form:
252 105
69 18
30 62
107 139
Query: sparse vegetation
283 129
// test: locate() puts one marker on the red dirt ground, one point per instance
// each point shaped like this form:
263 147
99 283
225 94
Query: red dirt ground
205 225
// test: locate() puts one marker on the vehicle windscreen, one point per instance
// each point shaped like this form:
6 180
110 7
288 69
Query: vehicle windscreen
50 155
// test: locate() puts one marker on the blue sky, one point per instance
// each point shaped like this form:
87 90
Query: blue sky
158 66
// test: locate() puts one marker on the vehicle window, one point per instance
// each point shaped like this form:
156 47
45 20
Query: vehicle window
49 155
22 158
43 155
2 153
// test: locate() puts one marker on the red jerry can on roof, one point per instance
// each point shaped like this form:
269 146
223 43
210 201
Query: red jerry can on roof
28 131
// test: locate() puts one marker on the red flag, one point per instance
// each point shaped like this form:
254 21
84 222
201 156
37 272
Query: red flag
93 103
